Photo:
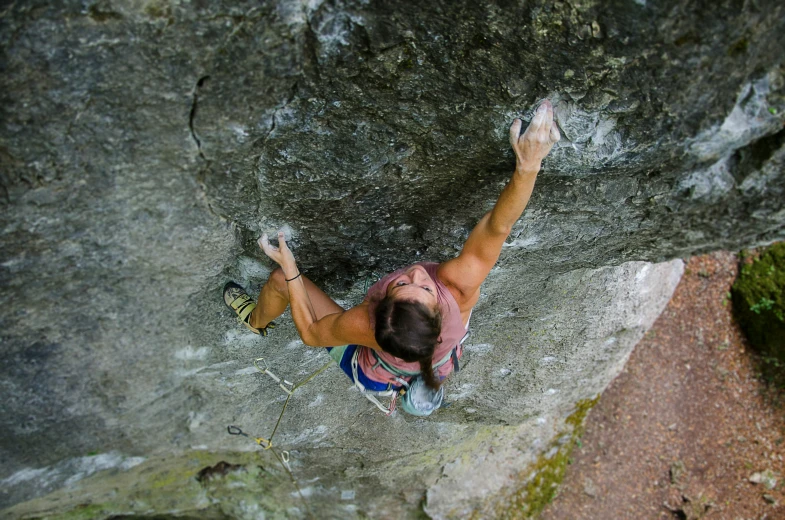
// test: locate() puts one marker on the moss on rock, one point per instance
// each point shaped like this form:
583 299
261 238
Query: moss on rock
540 482
195 484
759 305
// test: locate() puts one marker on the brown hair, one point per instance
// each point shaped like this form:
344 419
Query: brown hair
409 330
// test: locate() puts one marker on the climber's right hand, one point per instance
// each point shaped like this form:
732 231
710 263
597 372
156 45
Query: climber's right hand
281 255
536 142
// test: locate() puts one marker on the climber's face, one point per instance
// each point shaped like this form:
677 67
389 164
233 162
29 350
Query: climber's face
414 284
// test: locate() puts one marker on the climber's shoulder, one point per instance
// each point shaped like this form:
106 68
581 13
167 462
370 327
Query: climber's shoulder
454 275
354 326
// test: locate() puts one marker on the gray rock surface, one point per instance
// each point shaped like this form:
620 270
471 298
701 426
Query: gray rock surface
144 145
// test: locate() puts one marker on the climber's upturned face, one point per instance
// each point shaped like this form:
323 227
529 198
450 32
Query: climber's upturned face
414 284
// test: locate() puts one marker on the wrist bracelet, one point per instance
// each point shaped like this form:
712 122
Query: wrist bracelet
295 278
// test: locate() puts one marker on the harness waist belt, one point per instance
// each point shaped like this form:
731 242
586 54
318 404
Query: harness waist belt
405 373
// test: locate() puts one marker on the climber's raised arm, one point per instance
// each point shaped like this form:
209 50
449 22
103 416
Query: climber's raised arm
465 273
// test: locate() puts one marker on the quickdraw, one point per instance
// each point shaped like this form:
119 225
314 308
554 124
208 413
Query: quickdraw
261 441
372 395
287 387
267 444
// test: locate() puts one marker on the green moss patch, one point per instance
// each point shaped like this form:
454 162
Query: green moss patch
540 482
759 306
197 484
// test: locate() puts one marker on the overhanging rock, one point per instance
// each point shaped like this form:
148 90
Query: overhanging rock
144 146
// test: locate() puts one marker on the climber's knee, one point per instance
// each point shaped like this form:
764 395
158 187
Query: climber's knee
278 282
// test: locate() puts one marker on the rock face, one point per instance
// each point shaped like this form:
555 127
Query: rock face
144 145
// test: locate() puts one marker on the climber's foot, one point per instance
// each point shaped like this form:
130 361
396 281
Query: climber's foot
238 300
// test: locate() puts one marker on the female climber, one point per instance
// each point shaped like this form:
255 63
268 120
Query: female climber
412 321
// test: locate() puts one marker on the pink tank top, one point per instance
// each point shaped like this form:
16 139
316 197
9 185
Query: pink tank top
452 330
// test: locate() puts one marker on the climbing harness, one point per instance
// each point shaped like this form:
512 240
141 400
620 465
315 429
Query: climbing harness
373 396
416 397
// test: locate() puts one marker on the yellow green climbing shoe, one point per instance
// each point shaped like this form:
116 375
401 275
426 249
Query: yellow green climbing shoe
238 300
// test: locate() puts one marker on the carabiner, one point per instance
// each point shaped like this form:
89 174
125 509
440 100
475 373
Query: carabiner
234 430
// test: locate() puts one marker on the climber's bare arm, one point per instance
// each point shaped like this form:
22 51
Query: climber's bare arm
331 326
465 273
350 327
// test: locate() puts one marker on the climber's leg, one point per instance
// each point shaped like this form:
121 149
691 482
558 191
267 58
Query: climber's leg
274 298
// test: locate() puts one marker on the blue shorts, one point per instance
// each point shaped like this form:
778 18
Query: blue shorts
343 356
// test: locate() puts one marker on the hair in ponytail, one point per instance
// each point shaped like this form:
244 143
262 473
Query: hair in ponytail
409 330
426 367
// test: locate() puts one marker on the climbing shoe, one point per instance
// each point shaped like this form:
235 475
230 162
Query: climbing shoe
238 300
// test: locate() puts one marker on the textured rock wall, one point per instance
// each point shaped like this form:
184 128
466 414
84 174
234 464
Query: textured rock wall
530 360
144 144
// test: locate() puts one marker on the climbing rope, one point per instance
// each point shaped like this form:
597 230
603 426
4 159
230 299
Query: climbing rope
283 383
289 388
267 444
